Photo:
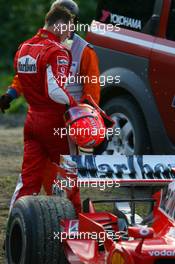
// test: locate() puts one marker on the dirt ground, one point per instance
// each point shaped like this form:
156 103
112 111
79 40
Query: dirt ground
11 149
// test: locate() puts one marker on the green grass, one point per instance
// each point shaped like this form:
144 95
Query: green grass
5 81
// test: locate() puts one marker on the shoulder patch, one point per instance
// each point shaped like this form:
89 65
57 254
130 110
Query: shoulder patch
62 61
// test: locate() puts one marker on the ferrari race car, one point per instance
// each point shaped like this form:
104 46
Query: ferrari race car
45 229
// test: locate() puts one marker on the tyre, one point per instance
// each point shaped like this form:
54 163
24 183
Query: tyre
133 137
32 225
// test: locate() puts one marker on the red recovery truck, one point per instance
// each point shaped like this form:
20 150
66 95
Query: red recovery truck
142 53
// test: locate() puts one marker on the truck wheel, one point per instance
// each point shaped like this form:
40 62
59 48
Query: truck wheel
133 137
32 229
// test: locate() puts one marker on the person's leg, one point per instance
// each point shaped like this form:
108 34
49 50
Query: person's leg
50 173
30 179
57 146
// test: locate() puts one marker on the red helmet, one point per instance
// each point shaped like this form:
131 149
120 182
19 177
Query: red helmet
85 126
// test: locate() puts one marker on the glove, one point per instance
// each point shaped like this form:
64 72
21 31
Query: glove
5 101
101 148
87 99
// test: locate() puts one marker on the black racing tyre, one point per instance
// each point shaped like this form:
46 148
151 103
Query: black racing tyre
31 228
134 137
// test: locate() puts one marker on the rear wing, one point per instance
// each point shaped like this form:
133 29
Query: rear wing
145 170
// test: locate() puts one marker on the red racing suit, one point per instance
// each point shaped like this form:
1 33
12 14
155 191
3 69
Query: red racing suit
42 65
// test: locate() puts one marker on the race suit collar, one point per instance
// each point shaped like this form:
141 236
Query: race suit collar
43 33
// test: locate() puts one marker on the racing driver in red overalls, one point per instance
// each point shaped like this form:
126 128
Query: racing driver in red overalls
42 64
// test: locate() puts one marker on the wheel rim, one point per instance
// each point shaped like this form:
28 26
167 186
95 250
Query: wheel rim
16 243
125 142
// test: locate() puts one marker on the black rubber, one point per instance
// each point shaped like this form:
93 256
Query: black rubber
125 104
30 230
5 101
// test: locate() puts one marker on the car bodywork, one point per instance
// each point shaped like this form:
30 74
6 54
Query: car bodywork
144 61
99 237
